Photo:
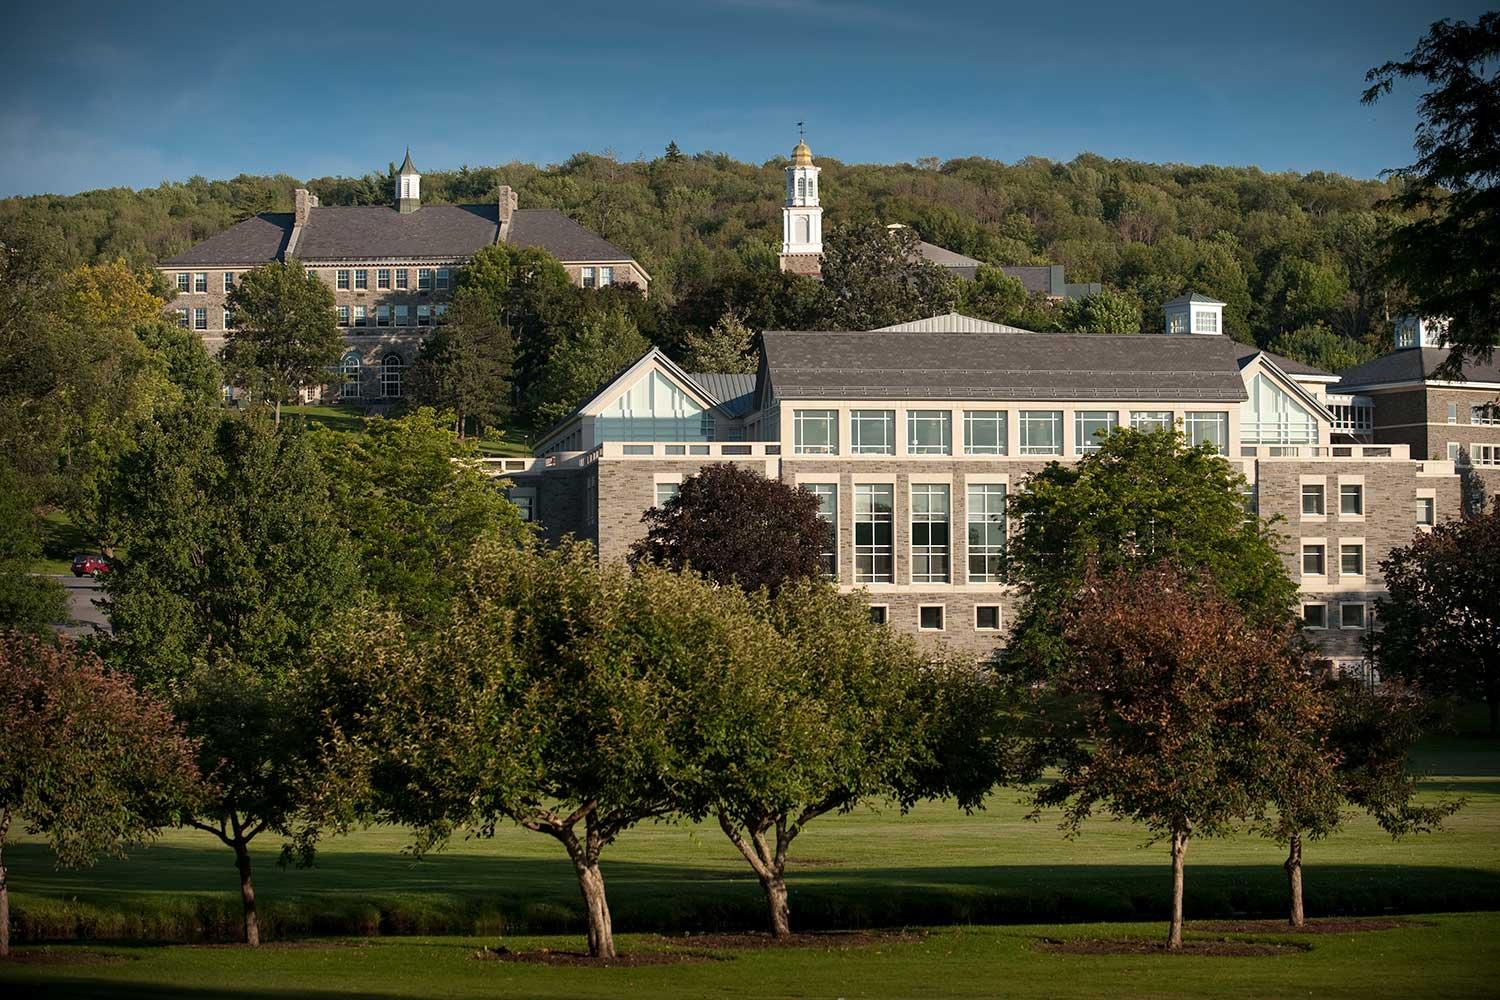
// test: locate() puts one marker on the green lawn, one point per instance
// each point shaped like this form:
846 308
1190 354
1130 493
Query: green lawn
61 541
351 420
1443 956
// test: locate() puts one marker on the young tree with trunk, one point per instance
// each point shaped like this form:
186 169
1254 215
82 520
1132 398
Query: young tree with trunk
555 694
736 526
1174 709
1351 748
1448 257
1143 497
285 336
88 762
1440 617
236 558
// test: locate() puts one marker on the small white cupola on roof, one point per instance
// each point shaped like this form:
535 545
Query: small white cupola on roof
1194 313
408 186
1421 331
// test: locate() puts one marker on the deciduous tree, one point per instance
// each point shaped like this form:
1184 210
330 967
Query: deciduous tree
736 526
1102 312
877 277
604 344
28 602
1440 618
235 559
285 336
88 762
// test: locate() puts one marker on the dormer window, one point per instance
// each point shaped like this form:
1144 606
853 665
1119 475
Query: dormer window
1205 321
1177 323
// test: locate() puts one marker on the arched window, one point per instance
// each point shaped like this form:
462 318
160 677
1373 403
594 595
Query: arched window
801 187
391 368
804 230
349 376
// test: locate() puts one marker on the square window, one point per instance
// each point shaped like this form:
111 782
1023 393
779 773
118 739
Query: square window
1351 616
1150 420
1351 559
879 614
930 618
872 432
1314 560
1312 499
1314 616
815 432
1210 428
1089 427
400 277
984 432
1041 432
1351 500
1426 511
987 618
341 280
665 492
361 280
929 432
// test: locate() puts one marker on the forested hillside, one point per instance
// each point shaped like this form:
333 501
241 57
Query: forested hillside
1296 257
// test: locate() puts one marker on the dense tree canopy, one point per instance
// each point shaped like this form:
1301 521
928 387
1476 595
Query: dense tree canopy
1284 250
284 336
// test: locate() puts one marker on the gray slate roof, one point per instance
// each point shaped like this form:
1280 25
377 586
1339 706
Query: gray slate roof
1413 364
1291 366
734 391
255 241
354 232
1003 366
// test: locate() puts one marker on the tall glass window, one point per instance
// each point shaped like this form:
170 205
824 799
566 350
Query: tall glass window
874 524
872 432
929 533
929 432
349 376
1150 420
1210 427
1041 432
987 533
654 409
828 510
984 432
1272 416
816 432
391 370
1089 426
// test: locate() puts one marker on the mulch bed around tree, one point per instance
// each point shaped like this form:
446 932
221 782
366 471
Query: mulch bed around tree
1322 925
1154 946
702 948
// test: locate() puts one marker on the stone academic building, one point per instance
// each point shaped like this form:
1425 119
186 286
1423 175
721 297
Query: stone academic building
390 267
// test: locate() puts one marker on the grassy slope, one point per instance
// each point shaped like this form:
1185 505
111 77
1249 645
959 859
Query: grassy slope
350 420
933 866
1448 956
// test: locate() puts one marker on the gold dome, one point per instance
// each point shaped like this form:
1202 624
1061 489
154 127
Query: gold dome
801 155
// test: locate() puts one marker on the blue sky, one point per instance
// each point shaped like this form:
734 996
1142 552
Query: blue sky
102 94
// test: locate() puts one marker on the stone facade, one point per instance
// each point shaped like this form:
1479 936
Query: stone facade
1430 418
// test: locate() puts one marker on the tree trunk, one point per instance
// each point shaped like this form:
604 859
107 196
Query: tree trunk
775 888
1179 849
247 893
1294 879
601 933
4 912
277 422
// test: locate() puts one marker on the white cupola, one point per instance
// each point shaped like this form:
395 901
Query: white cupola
1194 313
1421 331
801 218
408 186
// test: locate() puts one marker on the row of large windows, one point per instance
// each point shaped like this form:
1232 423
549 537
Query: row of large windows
196 282
987 432
931 547
392 278
391 381
358 316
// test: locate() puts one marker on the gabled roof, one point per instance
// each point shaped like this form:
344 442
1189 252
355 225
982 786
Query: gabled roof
952 322
943 257
1415 365
735 392
257 240
1002 366
653 356
1249 353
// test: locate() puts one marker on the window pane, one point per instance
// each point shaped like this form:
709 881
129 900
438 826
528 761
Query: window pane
1208 427
984 432
815 432
986 533
1351 498
1089 426
873 533
929 432
828 510
1312 498
1315 615
1151 420
1312 560
930 618
929 533
1352 560
872 432
987 617
1041 432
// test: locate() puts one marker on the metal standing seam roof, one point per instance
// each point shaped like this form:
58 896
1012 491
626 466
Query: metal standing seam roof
735 392
352 232
1003 366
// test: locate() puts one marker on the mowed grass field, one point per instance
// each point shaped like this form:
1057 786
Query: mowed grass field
991 885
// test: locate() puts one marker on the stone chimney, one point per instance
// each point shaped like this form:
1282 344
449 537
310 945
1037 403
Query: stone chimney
507 206
306 201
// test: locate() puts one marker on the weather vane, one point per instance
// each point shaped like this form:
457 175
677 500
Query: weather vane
800 136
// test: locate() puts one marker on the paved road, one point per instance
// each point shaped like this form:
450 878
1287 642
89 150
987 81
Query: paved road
82 593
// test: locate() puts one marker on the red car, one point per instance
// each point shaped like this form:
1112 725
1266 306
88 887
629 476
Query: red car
94 566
